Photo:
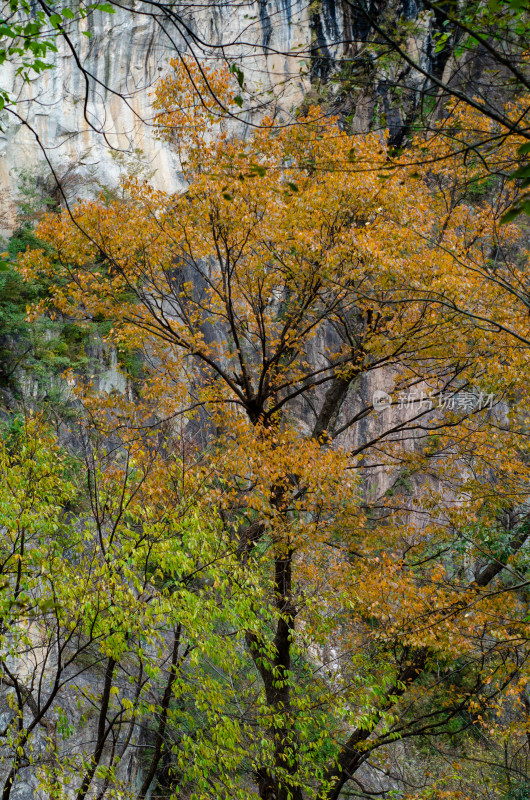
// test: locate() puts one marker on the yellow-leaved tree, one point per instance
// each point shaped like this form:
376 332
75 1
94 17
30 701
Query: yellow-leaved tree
299 274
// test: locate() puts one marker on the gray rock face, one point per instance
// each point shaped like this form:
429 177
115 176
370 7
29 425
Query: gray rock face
93 127
91 116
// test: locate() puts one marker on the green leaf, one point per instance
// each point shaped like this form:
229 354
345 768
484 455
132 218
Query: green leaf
31 29
238 72
510 215
68 13
106 7
238 100
520 172
525 206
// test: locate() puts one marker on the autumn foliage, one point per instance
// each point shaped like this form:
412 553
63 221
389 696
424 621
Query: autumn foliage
361 570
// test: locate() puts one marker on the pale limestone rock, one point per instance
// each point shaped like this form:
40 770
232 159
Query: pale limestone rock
90 148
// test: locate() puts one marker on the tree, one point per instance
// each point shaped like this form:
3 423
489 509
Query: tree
118 598
31 33
429 61
407 62
293 269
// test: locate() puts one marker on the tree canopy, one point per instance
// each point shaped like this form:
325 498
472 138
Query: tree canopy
360 569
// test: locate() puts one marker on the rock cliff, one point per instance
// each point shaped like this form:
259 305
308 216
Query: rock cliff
95 123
